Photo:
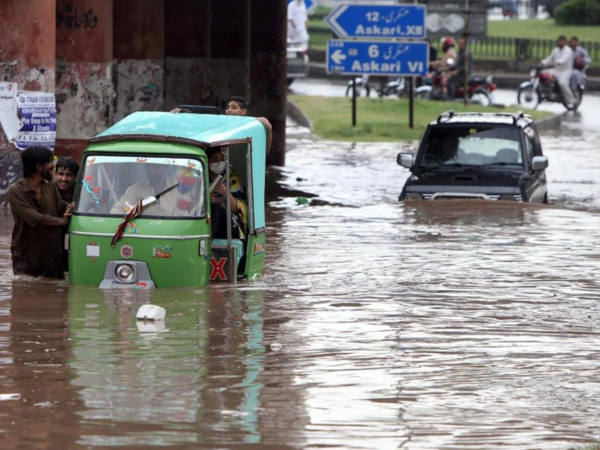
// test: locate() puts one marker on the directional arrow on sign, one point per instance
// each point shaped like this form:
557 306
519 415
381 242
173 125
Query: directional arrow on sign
338 57
378 21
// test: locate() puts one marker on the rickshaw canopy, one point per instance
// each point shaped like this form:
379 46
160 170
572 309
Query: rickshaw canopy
198 130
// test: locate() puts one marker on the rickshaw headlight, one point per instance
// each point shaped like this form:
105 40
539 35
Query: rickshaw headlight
124 273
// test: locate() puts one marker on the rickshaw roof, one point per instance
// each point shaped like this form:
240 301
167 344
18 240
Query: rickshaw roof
205 130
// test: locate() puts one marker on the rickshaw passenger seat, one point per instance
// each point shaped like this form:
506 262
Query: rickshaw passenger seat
235 242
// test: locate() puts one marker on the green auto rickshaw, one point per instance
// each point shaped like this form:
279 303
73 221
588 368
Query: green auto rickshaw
163 240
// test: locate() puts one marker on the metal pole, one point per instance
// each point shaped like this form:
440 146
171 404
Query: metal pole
466 56
228 200
353 101
411 102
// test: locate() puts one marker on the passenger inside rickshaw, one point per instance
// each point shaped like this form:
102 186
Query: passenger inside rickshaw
238 199
115 184
218 200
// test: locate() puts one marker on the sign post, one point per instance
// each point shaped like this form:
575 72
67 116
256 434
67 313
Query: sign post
390 55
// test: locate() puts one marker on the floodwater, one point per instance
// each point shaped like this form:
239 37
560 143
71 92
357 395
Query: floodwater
378 325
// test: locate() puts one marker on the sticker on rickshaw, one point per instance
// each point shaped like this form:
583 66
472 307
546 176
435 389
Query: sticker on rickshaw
126 251
217 269
162 251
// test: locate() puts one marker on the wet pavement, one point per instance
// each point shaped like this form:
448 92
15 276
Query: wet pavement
378 325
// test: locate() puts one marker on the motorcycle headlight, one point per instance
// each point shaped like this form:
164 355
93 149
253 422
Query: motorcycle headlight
532 73
414 196
489 80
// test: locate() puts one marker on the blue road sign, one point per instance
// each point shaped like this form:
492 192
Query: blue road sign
377 57
378 21
310 4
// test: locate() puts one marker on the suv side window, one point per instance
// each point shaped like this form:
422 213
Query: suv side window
533 140
529 147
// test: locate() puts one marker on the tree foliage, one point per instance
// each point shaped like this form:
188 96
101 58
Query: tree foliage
578 12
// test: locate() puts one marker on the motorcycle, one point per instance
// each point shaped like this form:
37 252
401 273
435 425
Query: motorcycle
544 87
479 89
391 86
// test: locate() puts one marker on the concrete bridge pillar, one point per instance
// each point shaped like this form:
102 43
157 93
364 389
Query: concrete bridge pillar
27 57
187 53
84 72
139 56
230 49
268 68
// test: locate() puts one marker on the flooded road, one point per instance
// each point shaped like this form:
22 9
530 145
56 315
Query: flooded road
378 325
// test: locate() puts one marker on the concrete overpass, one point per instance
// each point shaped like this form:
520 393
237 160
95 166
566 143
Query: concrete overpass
104 59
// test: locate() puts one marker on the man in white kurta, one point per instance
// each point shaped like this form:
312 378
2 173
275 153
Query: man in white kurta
297 22
561 63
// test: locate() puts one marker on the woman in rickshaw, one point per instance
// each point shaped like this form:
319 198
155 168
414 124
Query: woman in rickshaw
218 194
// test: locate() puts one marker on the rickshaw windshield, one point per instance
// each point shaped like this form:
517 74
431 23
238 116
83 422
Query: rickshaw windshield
112 185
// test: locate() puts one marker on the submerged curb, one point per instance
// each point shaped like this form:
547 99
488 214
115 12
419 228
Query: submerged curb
298 116
549 123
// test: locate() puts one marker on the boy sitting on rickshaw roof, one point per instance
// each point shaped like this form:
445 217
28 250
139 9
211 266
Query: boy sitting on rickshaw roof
238 106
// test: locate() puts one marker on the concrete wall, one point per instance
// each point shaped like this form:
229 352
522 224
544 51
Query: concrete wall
27 57
187 53
139 56
105 59
84 72
268 60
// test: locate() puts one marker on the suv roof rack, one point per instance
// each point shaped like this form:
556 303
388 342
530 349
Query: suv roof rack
445 115
516 116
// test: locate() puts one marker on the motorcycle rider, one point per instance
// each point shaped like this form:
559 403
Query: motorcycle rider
560 63
457 76
446 62
581 61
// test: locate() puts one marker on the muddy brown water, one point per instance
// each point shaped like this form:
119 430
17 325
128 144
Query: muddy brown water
378 325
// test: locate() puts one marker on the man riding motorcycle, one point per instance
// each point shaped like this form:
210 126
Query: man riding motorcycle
457 75
581 61
560 63
446 63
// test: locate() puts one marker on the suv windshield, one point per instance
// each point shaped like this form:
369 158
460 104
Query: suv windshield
472 146
112 185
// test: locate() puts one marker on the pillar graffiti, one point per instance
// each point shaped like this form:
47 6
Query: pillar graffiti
139 56
27 57
230 49
84 72
187 53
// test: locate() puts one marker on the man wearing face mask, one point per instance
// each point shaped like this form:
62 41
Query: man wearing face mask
218 199
38 213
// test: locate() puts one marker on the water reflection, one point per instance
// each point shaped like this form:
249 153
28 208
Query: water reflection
193 381
378 325
38 400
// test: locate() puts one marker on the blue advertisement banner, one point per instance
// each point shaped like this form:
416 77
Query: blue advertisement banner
37 111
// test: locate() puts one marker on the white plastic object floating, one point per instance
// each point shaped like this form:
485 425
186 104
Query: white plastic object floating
5 397
151 312
144 326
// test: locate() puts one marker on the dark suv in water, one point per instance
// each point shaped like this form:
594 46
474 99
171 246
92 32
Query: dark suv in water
478 156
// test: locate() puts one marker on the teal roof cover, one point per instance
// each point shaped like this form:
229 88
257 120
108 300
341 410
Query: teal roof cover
204 128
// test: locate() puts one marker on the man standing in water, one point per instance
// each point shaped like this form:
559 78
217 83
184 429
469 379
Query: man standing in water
66 171
35 205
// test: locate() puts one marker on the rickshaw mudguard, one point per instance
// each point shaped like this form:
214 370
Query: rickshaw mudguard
176 252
